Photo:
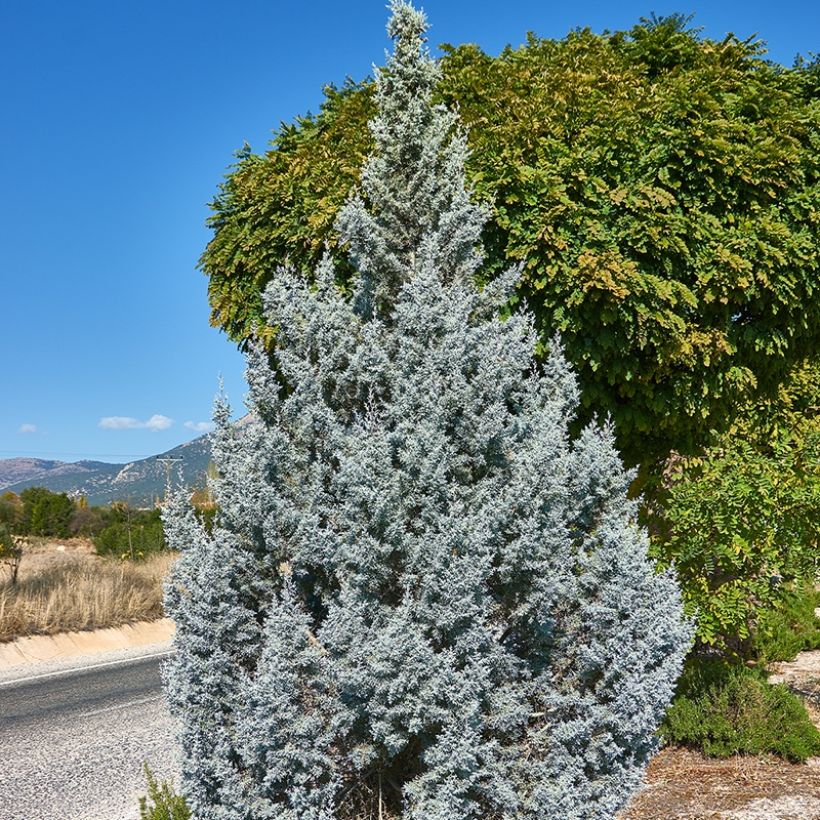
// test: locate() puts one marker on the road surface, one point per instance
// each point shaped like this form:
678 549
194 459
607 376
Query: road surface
73 741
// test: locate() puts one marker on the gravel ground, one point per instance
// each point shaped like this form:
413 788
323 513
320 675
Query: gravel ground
684 785
74 741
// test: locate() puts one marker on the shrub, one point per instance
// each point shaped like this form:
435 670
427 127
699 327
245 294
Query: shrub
88 521
420 597
725 709
742 523
166 804
141 534
791 628
45 512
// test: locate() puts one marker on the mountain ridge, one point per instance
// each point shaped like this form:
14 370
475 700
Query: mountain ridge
139 482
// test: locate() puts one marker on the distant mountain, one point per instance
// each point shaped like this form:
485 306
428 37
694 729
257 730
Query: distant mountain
139 483
15 470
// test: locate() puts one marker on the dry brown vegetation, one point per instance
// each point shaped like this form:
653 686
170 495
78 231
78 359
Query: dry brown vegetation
684 785
63 586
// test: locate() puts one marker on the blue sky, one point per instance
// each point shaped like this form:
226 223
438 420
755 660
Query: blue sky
118 121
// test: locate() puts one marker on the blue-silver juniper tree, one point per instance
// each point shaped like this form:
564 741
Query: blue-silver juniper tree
420 597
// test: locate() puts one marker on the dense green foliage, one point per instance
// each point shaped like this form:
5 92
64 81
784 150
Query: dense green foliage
116 529
45 513
726 709
742 523
659 188
790 628
131 533
165 803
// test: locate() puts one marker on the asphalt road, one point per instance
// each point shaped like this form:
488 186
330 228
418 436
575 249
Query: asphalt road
73 743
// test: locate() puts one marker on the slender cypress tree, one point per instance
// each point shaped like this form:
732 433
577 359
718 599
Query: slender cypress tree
420 598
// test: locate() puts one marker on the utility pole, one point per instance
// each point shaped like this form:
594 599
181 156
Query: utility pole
169 462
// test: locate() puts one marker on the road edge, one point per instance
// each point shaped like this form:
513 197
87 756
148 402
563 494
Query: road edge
65 650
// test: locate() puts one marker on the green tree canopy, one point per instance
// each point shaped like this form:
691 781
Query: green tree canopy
45 512
659 188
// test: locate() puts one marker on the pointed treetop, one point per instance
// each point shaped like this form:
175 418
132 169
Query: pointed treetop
413 207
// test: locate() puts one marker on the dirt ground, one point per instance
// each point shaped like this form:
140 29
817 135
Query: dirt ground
44 553
683 784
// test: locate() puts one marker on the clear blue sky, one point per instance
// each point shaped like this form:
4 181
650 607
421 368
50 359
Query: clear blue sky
118 121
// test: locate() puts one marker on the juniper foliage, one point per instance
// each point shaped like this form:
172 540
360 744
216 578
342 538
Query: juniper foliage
420 598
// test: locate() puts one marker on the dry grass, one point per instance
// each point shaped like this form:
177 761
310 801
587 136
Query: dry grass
64 587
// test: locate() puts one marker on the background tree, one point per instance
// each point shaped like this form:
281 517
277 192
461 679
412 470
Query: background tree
88 521
420 598
130 533
11 510
11 553
660 188
45 512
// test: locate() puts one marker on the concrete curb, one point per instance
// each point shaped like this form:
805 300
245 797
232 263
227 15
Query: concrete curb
38 649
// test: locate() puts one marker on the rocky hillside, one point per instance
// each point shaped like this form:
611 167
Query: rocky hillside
139 483
15 470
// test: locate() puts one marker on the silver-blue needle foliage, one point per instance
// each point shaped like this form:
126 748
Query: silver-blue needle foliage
420 598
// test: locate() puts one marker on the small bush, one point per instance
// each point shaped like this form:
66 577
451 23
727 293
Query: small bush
166 803
724 709
792 628
740 526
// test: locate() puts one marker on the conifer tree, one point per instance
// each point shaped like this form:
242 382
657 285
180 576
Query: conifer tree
420 598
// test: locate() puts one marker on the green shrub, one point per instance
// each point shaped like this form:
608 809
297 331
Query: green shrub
137 534
45 513
741 524
724 709
792 628
166 803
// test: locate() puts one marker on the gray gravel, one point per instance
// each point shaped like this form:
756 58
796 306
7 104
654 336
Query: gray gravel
73 738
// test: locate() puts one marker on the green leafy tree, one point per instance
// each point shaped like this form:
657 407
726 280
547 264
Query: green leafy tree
46 513
742 522
660 188
131 534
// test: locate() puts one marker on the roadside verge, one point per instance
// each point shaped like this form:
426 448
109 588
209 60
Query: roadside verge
67 649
